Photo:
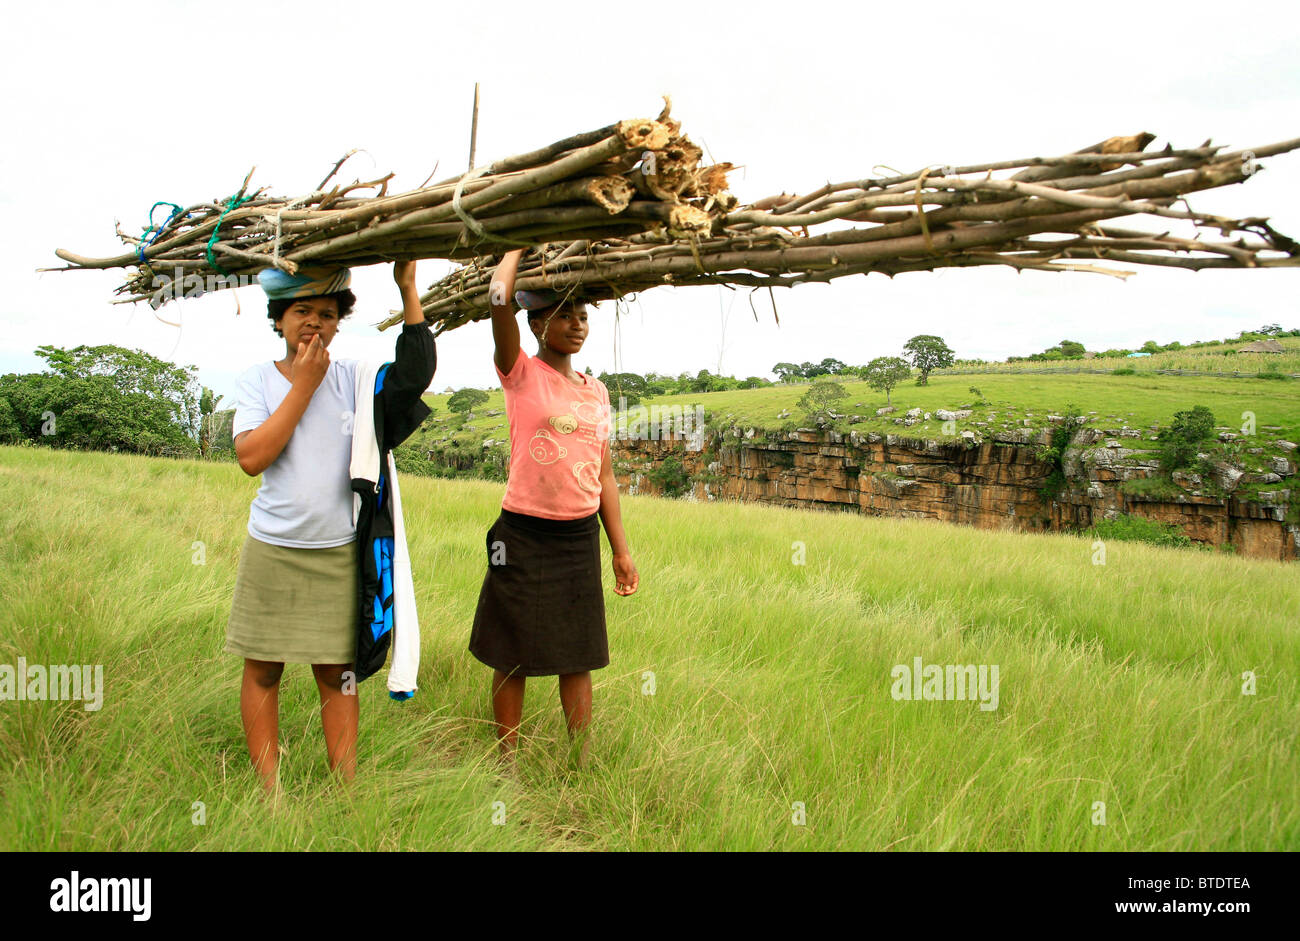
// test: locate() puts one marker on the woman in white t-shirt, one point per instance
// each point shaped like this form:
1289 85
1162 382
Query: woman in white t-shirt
296 591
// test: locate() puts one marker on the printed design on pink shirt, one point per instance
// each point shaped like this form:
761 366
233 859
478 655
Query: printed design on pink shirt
564 424
593 413
544 449
588 475
587 411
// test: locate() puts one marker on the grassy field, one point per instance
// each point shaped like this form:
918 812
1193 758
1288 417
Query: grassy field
1139 401
1119 683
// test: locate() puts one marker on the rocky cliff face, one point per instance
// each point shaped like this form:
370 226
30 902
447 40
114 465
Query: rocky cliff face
996 482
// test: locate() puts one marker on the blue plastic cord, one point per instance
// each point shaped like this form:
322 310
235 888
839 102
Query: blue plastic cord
157 230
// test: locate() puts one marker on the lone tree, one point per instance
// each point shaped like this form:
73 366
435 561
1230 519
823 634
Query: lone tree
786 371
466 400
1180 442
885 372
926 352
208 428
626 387
820 400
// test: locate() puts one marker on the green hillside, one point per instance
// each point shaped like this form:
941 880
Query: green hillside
1145 403
1209 357
1140 400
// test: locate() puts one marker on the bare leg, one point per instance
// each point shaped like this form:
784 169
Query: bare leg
575 700
259 707
339 712
507 709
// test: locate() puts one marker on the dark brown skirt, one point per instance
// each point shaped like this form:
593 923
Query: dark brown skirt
541 610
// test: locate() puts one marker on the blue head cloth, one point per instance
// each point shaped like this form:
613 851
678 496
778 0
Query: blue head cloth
533 300
308 282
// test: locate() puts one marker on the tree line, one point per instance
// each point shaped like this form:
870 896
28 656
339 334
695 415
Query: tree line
113 399
108 398
923 353
1071 349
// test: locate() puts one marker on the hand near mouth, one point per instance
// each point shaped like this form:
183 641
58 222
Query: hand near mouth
310 365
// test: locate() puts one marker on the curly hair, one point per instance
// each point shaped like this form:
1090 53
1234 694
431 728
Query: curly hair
275 309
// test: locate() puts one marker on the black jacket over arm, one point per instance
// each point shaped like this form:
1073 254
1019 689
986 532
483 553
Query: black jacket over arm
398 406
398 411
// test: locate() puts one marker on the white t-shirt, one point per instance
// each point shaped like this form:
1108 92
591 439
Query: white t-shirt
305 500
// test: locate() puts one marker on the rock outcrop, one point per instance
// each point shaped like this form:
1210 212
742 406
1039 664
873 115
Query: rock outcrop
998 481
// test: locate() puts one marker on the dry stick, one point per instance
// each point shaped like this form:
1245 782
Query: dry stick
1137 142
473 131
1137 187
1235 248
1069 183
546 154
338 163
904 182
908 180
398 202
1171 261
535 225
259 261
440 236
611 192
1244 257
1182 158
1206 177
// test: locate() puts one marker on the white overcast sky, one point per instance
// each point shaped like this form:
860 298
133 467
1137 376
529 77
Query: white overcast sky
110 108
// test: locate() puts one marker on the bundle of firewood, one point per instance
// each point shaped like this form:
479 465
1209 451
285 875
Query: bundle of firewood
618 180
1044 215
630 206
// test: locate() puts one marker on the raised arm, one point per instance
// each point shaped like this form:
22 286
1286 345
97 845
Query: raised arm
415 361
505 329
404 275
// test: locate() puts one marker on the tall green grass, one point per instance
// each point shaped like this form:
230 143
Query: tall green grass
1120 683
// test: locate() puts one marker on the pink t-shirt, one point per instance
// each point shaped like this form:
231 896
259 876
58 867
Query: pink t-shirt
558 433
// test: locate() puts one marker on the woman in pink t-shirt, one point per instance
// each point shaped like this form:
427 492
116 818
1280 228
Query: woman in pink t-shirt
541 610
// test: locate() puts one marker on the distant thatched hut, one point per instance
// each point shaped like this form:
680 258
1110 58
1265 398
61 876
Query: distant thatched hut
1261 346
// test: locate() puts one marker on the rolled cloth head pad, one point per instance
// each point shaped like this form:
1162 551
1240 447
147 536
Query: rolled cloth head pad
534 300
308 282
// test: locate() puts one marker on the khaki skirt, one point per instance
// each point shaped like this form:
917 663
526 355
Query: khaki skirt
541 610
294 605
